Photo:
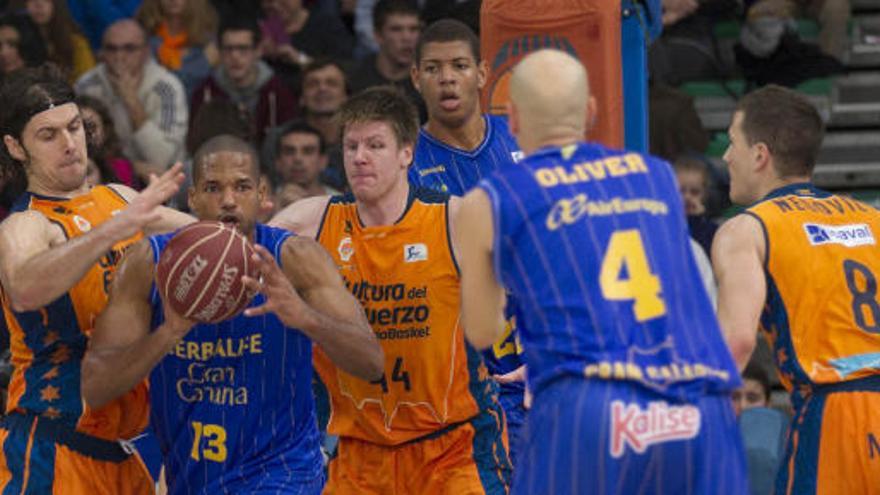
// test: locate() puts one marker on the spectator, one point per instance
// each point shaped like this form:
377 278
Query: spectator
182 37
20 44
755 391
300 158
65 45
95 16
396 26
325 89
694 184
296 36
832 15
687 50
103 144
245 80
146 101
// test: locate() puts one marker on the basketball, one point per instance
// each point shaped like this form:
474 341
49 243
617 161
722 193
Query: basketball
199 272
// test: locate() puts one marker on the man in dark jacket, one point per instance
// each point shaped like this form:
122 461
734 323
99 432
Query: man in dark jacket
244 79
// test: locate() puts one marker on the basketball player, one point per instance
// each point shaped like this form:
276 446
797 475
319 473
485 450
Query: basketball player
629 370
802 264
431 424
58 252
457 147
231 403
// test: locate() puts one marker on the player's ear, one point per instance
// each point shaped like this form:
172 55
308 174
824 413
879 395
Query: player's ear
512 118
760 155
414 75
14 148
591 113
482 73
406 155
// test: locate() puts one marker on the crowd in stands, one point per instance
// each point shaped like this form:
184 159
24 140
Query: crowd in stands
157 78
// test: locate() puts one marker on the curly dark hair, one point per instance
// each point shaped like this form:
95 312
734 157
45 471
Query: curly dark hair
23 94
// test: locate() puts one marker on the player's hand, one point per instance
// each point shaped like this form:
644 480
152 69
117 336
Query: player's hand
176 324
517 375
676 10
281 298
144 208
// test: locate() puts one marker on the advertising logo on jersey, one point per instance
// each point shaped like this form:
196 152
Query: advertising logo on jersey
415 252
846 235
345 249
641 428
82 224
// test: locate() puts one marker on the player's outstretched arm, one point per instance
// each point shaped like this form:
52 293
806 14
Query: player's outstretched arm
302 217
308 294
482 297
122 350
37 262
738 254
168 219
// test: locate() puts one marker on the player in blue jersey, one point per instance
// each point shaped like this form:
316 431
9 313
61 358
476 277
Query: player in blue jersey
231 403
457 147
630 373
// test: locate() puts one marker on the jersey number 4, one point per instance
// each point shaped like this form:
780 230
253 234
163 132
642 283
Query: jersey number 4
637 283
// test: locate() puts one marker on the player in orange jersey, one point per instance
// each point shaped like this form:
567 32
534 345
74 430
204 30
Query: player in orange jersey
802 264
432 424
58 252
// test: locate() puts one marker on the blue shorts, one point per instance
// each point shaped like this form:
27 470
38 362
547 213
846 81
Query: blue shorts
611 437
511 400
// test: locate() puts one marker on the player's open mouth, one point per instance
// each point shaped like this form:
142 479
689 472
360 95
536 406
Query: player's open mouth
229 220
449 101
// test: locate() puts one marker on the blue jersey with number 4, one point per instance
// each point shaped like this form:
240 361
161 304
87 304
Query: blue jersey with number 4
232 403
593 244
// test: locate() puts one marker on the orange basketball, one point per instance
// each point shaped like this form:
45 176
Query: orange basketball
199 272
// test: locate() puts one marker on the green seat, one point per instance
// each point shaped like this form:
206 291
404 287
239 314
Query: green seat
718 145
714 89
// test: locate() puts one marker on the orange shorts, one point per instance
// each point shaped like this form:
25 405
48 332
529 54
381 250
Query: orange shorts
468 460
32 463
834 444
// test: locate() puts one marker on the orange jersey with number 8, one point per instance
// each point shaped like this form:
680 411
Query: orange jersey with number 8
406 278
822 315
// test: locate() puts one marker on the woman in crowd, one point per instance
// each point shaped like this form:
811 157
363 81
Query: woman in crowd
66 46
20 44
103 145
182 37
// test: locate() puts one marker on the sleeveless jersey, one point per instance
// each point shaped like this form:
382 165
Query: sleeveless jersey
407 280
822 317
232 403
48 344
451 170
594 245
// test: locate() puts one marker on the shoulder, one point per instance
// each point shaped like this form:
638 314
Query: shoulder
303 216
123 191
742 232
163 79
430 196
91 81
25 223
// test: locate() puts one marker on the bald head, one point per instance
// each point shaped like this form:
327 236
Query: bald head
225 143
550 94
125 29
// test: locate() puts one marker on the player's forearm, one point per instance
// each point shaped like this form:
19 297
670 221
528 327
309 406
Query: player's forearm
351 346
45 277
110 373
